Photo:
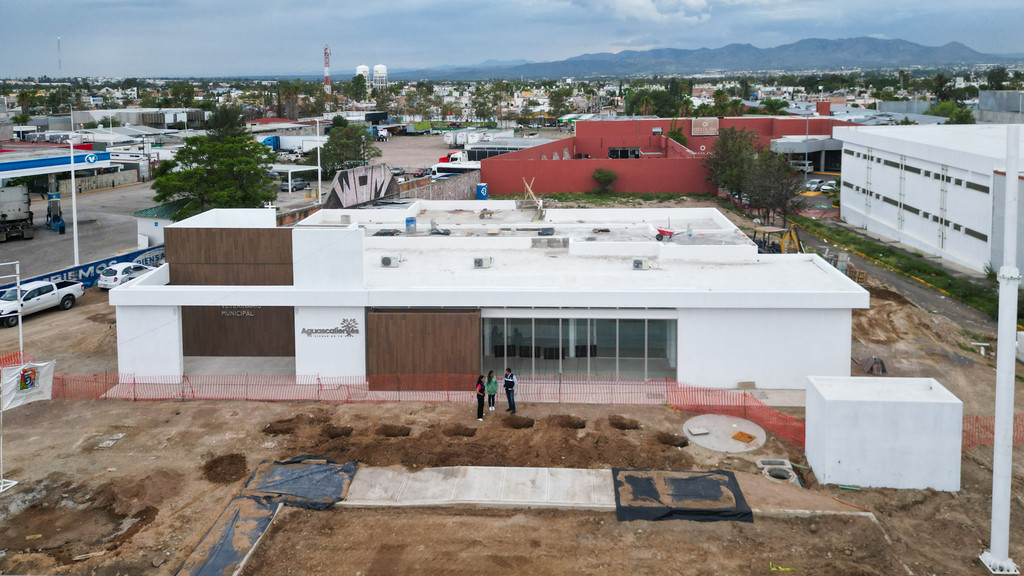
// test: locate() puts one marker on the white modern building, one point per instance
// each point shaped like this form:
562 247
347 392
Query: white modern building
937 188
462 287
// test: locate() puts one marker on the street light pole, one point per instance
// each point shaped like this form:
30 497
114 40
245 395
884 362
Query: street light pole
319 178
74 196
997 558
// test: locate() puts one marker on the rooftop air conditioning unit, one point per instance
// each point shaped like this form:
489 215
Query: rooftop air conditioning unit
641 264
483 262
389 261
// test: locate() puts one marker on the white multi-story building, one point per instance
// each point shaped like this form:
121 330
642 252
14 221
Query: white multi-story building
937 188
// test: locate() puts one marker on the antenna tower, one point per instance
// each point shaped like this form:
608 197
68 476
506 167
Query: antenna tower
327 74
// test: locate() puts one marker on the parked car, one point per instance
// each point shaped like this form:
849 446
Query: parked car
37 296
814 185
297 184
117 274
398 170
830 187
421 172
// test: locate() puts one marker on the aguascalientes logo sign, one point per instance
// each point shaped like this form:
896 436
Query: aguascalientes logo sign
347 328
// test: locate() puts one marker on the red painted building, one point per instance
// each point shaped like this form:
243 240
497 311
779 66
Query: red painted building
636 150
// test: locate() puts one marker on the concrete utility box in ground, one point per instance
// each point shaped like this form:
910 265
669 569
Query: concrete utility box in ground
884 432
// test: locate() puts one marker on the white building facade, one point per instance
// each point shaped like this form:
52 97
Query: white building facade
467 287
936 188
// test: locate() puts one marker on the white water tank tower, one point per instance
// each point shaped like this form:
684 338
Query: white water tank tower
380 76
364 70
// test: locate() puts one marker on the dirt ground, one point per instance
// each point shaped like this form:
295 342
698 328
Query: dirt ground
141 505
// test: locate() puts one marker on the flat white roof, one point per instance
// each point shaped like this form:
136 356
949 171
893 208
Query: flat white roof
983 140
231 218
445 267
601 259
911 390
502 219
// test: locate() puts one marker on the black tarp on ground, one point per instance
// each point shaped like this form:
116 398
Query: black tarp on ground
703 496
304 482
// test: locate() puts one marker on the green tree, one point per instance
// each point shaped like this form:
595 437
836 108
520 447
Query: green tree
183 94
21 119
481 103
941 109
675 132
216 173
961 116
773 107
25 99
906 122
605 178
997 78
383 99
729 161
772 186
346 145
942 87
227 122
339 122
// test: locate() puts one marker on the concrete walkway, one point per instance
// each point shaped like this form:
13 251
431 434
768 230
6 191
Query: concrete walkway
483 486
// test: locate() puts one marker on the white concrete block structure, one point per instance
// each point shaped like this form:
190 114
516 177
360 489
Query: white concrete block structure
936 188
582 294
884 432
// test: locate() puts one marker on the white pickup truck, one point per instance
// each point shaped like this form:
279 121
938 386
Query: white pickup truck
37 296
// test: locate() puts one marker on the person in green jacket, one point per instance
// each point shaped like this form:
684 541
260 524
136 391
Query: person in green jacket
492 389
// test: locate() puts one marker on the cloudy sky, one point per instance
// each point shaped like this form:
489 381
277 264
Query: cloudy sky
255 37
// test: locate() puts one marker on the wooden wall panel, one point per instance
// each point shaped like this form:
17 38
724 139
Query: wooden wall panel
229 256
231 274
422 342
238 330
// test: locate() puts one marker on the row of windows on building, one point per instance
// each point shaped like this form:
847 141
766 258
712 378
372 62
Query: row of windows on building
628 348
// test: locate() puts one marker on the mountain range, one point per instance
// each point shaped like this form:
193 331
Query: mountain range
807 54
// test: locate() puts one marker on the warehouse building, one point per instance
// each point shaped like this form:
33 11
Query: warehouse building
936 188
462 287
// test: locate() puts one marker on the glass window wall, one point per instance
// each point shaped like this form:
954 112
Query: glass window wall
600 348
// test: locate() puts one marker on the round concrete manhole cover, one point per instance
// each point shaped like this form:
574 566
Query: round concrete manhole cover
724 433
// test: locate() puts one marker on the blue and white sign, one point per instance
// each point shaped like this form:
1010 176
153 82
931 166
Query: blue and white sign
89 274
91 158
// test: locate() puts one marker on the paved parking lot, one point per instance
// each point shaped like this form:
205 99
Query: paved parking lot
106 228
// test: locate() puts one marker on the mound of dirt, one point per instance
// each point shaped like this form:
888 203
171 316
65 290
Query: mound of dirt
225 469
670 439
393 431
893 319
296 424
334 431
282 427
453 430
569 422
517 422
623 423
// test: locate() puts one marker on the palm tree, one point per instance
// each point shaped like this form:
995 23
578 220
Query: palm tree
645 105
772 106
685 107
25 99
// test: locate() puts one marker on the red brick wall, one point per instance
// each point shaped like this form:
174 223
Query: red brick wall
677 170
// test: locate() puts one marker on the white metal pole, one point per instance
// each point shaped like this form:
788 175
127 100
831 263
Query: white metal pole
21 337
5 484
74 192
997 558
318 169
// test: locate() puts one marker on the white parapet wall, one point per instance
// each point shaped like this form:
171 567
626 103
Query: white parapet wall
884 432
